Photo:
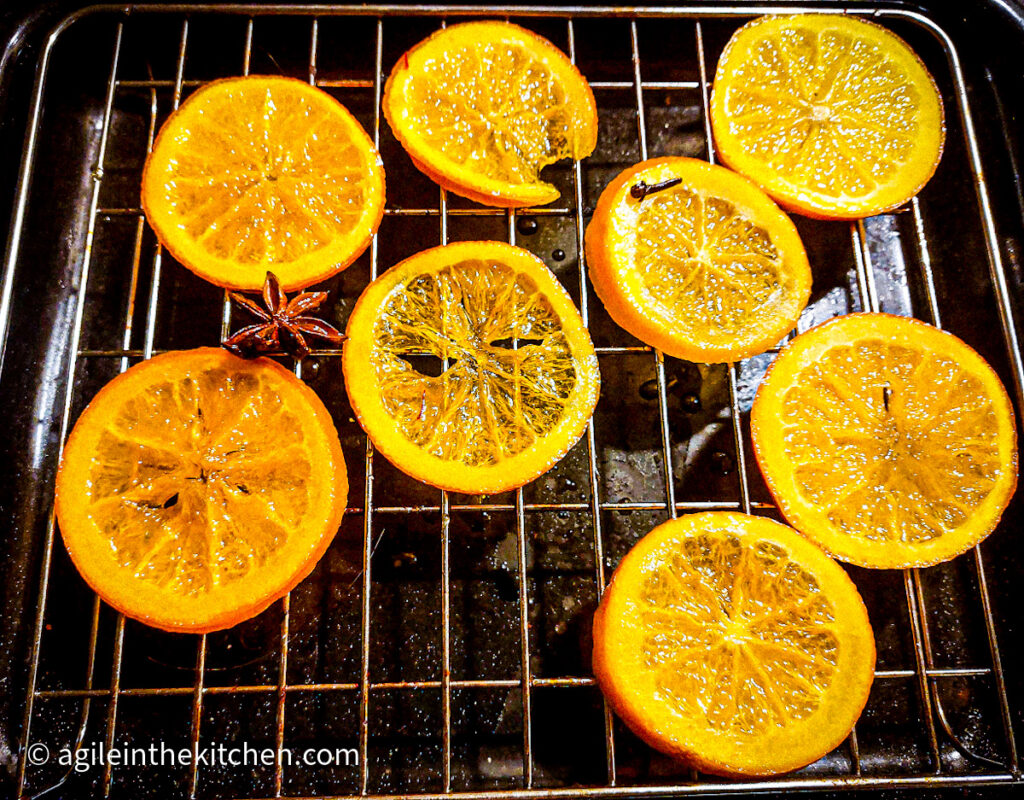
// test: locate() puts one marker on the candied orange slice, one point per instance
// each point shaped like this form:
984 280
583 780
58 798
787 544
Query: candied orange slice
263 173
707 268
732 642
470 368
198 487
482 107
834 117
885 440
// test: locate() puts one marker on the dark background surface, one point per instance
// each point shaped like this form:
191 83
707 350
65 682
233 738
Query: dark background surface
989 36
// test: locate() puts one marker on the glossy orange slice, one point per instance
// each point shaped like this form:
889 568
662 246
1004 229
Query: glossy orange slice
885 440
732 642
707 268
198 487
263 174
833 116
470 368
482 107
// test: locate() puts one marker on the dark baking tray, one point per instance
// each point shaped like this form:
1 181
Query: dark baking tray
939 711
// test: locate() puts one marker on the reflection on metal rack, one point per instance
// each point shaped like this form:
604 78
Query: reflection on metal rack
926 674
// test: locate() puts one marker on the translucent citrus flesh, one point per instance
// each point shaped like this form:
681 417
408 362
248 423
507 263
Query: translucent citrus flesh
895 443
828 109
199 481
264 176
737 634
713 270
492 107
510 371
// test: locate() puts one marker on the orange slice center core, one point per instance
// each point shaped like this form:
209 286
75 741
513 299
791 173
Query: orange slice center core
472 362
706 263
493 107
894 443
737 634
198 481
825 108
266 177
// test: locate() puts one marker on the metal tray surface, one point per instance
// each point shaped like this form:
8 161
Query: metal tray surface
445 638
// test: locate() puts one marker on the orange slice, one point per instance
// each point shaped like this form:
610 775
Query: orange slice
198 487
262 173
885 440
708 269
735 644
834 117
469 367
482 107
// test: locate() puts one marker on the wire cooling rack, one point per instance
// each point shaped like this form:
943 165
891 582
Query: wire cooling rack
526 720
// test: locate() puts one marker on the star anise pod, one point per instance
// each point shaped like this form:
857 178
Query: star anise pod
283 325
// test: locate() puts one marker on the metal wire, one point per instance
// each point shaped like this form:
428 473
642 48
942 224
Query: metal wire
593 473
928 677
734 407
364 663
476 683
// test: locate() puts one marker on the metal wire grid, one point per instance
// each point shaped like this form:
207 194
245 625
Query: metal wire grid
926 674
